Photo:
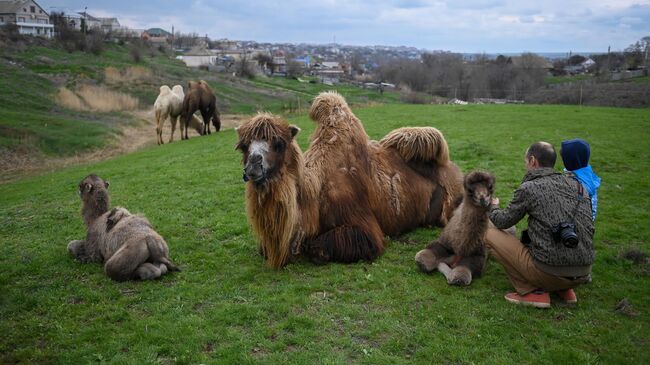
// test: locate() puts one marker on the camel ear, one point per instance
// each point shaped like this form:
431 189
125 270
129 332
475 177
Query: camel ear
88 188
106 184
294 130
239 130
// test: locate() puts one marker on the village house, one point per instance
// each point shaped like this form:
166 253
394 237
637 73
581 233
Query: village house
29 17
74 20
330 72
198 56
157 36
90 21
109 25
279 65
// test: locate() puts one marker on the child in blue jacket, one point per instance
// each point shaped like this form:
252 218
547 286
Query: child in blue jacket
575 155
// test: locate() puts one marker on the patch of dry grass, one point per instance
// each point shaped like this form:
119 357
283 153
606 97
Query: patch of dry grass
134 74
95 98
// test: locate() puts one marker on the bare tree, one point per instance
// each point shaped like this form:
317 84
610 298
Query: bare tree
294 69
264 60
243 67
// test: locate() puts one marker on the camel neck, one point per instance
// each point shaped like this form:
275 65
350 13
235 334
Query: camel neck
94 209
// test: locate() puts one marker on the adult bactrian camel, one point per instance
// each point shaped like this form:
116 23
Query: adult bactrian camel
338 200
169 104
200 97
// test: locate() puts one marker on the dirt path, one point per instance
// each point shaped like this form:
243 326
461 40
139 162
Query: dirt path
15 165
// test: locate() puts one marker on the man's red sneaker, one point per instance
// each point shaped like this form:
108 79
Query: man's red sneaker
536 299
567 296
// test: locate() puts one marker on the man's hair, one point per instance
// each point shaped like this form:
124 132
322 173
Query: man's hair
543 152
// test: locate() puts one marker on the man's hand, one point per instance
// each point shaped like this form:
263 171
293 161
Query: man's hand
495 201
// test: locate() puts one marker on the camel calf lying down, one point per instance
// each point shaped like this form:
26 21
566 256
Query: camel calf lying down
126 243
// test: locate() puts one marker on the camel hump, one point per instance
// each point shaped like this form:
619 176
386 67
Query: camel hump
178 90
328 105
425 144
165 90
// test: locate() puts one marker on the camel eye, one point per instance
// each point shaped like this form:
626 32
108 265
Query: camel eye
278 145
243 147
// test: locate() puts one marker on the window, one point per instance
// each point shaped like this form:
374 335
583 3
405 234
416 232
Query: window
2 20
21 20
38 30
32 9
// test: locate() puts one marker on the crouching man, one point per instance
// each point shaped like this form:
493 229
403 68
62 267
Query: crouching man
556 251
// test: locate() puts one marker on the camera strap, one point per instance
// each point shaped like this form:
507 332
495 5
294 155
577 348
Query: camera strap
581 192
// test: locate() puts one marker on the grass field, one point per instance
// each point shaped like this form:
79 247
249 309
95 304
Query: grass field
227 307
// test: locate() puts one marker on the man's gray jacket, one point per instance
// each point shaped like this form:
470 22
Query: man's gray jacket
549 197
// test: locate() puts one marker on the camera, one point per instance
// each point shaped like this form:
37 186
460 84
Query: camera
566 234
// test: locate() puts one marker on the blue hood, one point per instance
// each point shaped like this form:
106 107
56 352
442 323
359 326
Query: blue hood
588 178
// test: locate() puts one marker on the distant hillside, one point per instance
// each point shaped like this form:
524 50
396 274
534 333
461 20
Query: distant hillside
60 103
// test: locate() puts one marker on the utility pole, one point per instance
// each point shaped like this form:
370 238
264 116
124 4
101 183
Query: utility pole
580 102
172 40
85 20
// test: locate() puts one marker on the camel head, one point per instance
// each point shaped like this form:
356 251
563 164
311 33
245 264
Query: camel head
266 142
479 187
93 191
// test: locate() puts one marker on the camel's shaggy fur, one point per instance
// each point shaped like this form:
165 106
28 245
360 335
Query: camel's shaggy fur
200 97
462 243
126 243
338 201
169 104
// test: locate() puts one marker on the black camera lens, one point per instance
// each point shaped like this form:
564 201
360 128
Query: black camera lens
569 237
565 233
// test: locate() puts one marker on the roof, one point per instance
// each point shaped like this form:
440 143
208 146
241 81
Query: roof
157 32
88 16
198 51
328 64
15 6
109 21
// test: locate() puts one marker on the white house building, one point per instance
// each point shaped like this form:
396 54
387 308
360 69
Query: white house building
30 17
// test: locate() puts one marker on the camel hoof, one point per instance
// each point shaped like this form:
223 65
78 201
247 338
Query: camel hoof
460 276
426 261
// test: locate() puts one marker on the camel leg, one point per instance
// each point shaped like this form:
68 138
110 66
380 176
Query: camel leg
148 271
206 121
158 132
160 125
174 121
184 128
431 256
467 268
77 249
445 270
123 264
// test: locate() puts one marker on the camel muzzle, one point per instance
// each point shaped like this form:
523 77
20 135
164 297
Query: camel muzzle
254 170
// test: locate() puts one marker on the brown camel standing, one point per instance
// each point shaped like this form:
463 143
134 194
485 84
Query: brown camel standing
200 97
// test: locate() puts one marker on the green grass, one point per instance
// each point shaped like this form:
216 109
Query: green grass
640 80
565 79
226 306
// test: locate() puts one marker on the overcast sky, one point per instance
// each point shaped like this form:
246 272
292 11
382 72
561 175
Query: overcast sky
461 26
